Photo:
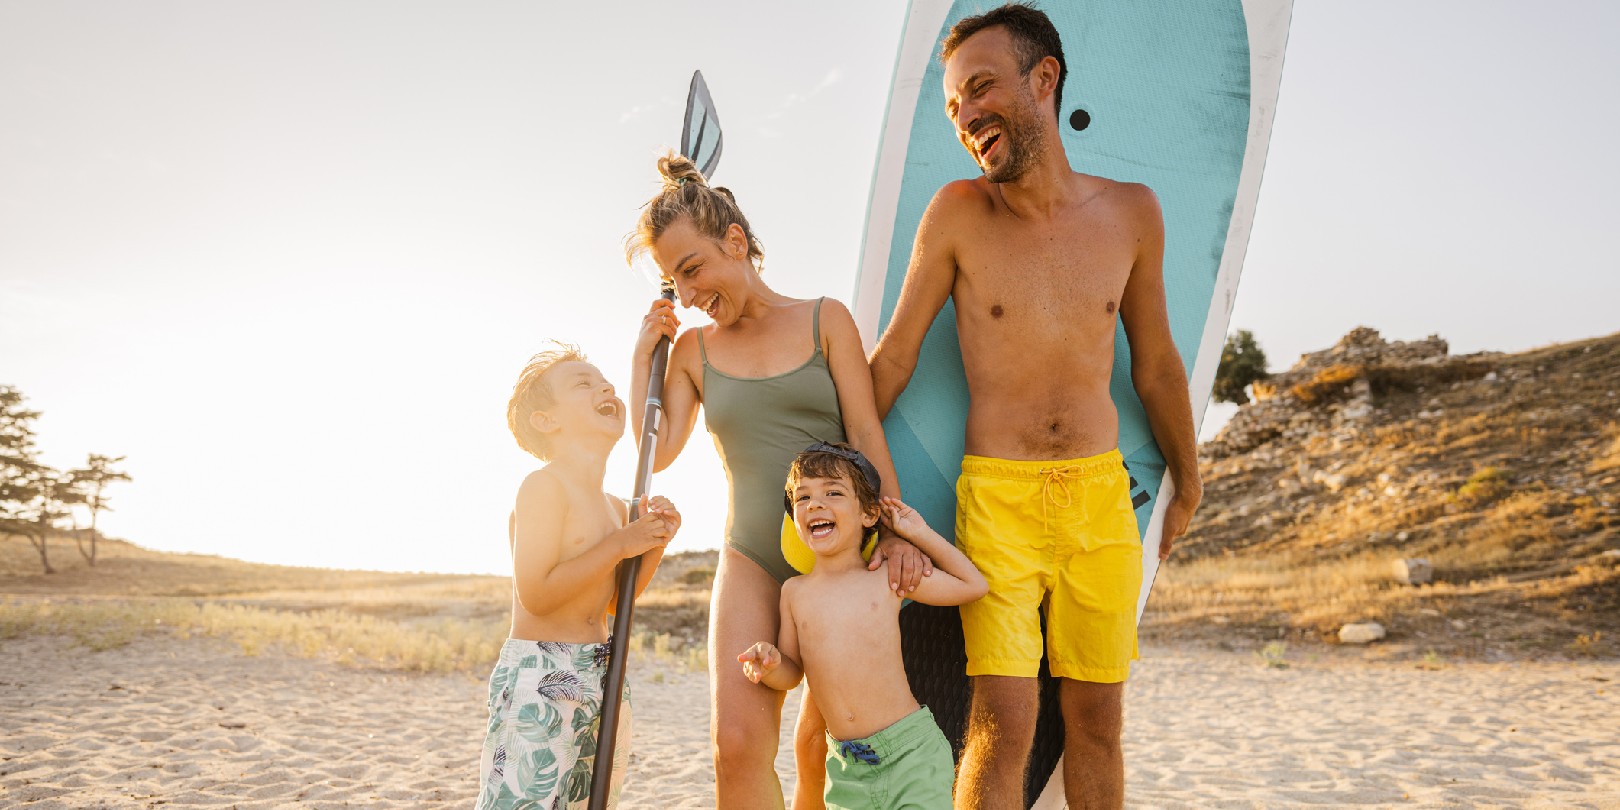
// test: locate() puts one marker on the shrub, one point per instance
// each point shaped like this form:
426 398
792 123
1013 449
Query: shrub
1275 655
1486 484
1242 362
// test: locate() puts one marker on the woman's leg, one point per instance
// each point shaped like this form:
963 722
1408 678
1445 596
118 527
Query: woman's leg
809 755
746 718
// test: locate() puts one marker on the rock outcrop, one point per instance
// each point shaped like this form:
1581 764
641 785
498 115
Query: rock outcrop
1485 464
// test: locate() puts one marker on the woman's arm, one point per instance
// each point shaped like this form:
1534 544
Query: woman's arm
681 395
841 341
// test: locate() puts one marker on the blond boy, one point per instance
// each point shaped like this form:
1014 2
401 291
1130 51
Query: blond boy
567 537
841 630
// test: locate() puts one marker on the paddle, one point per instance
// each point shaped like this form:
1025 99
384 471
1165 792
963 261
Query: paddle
700 141
703 143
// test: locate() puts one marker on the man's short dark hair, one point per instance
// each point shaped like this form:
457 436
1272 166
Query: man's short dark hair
1033 34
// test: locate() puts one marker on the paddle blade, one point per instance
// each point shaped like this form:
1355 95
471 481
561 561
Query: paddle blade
700 134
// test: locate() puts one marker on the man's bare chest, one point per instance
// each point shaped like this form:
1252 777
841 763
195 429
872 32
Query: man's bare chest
1014 275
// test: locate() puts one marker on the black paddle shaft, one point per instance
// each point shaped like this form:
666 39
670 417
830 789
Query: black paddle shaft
619 644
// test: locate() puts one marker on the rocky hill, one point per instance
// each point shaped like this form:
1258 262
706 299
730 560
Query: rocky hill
1501 472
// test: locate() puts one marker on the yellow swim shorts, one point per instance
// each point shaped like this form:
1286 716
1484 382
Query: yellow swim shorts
1058 533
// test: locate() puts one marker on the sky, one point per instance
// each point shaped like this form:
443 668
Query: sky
289 257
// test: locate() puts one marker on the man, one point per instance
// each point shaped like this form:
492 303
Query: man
1040 260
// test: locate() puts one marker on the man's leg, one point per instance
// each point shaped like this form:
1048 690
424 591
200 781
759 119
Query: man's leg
1001 731
1093 760
1091 630
996 527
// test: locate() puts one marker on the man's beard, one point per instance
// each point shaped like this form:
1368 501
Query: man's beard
1020 138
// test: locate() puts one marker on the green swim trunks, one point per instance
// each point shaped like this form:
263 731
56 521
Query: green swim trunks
907 765
545 705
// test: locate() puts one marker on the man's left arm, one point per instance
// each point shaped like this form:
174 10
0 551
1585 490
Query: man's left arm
1157 371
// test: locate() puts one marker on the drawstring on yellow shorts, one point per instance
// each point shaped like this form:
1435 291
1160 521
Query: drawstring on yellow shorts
1057 481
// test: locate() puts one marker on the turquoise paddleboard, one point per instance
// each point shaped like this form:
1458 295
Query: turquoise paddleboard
1176 95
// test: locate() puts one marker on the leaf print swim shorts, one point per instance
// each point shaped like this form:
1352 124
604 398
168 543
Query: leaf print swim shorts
545 704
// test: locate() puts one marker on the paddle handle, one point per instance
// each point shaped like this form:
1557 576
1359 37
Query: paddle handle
613 686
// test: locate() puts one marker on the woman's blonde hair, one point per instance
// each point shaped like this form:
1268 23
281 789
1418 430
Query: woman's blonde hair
685 193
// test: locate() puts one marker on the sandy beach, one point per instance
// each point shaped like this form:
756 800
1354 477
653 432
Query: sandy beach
169 722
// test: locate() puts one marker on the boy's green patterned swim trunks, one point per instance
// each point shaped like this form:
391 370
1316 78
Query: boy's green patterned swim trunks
907 765
545 703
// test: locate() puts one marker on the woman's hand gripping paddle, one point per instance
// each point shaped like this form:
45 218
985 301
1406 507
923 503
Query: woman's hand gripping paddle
701 141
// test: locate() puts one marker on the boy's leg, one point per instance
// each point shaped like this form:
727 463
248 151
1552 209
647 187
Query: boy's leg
746 717
587 728
1093 759
532 747
492 759
1001 731
809 755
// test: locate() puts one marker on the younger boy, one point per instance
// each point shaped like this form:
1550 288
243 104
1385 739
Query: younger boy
841 630
567 537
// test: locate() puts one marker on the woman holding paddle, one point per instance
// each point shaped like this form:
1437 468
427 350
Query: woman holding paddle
776 374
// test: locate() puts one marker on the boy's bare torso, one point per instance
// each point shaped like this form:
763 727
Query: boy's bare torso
1036 306
849 640
582 620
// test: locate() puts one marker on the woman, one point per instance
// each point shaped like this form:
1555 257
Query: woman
766 402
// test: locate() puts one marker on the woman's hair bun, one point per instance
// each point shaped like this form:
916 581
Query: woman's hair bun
678 170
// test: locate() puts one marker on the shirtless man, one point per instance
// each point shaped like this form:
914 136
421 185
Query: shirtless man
1040 260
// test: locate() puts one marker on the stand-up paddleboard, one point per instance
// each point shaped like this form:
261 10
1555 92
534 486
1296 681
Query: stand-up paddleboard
1175 95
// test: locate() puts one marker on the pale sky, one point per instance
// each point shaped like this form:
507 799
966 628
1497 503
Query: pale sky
289 257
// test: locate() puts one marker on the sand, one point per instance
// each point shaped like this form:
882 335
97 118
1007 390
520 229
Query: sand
1210 729
167 722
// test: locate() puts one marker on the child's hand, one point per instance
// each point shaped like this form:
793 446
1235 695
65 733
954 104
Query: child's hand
660 322
665 508
902 519
650 531
758 660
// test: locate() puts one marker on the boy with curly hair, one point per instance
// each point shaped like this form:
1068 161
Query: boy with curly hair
841 630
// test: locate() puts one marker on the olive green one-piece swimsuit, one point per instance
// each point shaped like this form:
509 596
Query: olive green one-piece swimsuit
759 424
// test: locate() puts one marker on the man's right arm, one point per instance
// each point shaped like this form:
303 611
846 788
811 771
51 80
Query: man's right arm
929 279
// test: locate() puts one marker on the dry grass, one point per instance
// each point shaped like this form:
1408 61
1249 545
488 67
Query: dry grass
1508 581
401 622
1608 460
438 645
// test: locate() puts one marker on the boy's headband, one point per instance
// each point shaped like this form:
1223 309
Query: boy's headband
868 471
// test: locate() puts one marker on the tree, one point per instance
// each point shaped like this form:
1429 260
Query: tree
1242 362
17 459
23 499
53 497
35 499
89 483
